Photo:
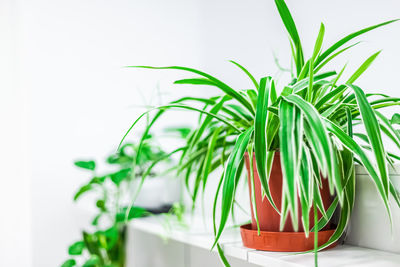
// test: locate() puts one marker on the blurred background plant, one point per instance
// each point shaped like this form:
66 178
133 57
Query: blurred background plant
104 244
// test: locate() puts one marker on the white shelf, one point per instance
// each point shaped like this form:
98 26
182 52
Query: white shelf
197 236
342 255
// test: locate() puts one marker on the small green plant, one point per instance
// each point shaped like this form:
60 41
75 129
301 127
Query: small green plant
310 121
105 245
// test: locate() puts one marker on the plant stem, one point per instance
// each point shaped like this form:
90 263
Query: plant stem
315 236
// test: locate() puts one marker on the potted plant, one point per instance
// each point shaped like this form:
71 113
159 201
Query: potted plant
297 141
104 244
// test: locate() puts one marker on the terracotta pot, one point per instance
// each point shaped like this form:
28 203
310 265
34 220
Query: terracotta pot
269 219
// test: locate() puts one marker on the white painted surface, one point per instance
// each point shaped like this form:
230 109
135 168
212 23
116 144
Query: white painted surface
343 255
15 218
199 257
370 225
200 241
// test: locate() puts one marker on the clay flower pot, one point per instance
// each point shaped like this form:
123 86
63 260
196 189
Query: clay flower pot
270 238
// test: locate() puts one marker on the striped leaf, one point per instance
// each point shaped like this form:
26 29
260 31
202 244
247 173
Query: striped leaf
292 30
260 136
374 135
290 135
319 141
230 171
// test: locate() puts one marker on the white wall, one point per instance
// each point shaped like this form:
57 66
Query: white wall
72 54
251 31
15 239
81 100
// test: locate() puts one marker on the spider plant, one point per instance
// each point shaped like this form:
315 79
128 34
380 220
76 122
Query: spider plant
310 122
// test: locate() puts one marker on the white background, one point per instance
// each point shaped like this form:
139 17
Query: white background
65 94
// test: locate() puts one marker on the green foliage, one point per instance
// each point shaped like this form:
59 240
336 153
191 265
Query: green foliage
310 122
119 176
69 263
88 165
396 119
94 261
76 248
104 244
182 131
134 212
85 188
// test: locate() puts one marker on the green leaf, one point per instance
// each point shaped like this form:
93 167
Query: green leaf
183 131
134 212
349 123
317 48
197 181
306 183
155 162
290 135
319 141
396 119
292 30
178 106
112 235
394 100
95 220
230 171
101 204
82 190
329 212
88 165
363 68
94 261
195 81
222 257
208 101
340 228
224 87
332 94
91 243
120 175
388 129
347 38
215 204
301 85
374 135
76 248
207 120
250 164
98 180
247 73
69 263
209 156
349 143
326 61
260 136
240 112
253 96
395 194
